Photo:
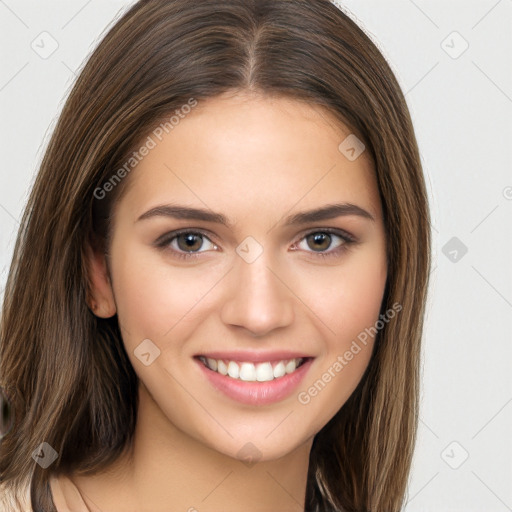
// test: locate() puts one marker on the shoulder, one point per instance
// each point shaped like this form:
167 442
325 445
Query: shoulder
66 496
11 502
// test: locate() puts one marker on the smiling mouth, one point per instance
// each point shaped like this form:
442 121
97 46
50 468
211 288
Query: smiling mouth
253 372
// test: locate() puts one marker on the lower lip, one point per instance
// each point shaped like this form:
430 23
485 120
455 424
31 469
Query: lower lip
257 393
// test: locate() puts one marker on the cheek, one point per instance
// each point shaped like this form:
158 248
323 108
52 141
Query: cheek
157 300
347 298
348 302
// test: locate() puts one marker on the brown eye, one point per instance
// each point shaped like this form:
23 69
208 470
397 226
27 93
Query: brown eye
189 242
186 243
325 243
319 241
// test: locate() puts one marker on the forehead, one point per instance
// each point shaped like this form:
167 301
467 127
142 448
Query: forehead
251 155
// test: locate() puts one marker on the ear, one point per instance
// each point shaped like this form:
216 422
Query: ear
100 296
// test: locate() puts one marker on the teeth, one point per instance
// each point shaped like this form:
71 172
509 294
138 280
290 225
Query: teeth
221 367
264 372
279 370
247 372
291 366
233 370
212 363
250 372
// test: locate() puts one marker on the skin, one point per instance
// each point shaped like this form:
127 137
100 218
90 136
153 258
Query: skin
256 160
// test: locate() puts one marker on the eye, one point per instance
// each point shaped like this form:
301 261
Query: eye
190 244
325 242
186 243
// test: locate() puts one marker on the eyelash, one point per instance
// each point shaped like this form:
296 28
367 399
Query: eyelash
164 242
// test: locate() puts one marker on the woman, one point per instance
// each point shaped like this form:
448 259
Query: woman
217 292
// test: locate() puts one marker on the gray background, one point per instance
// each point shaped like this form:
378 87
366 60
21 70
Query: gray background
461 102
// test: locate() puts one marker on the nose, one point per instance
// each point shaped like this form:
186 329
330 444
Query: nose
258 299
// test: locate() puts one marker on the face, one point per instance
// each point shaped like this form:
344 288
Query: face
249 243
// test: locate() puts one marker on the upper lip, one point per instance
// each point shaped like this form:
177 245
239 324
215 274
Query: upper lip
254 356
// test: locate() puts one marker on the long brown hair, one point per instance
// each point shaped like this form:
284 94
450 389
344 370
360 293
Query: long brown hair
65 371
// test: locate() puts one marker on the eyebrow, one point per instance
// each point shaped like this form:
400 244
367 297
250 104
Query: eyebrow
327 212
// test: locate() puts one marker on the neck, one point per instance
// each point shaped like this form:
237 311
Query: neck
166 466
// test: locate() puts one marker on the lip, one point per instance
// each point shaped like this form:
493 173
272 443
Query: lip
255 393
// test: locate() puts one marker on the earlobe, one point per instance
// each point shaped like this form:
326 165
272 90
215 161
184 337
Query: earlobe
100 296
100 310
